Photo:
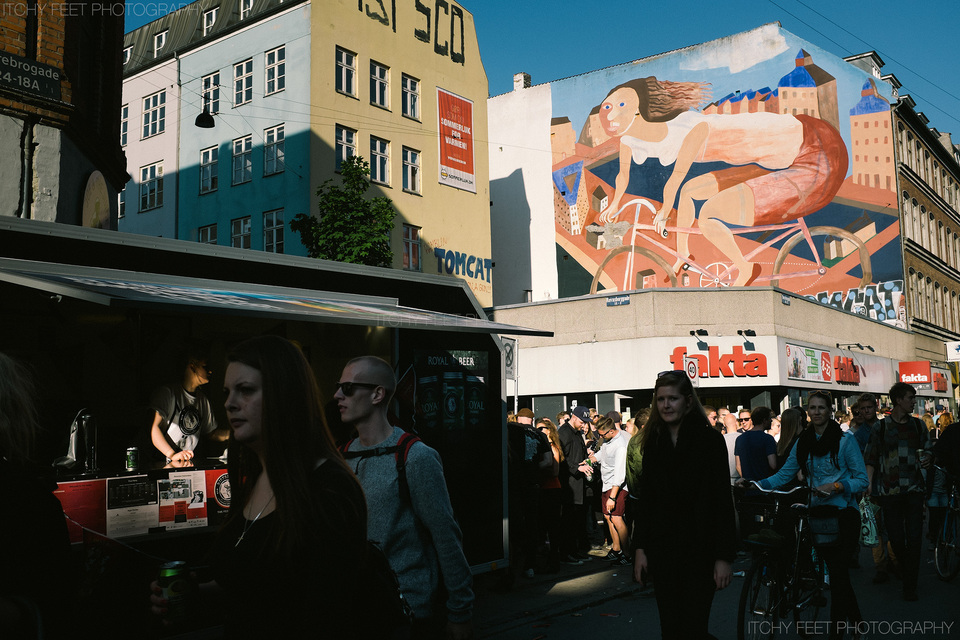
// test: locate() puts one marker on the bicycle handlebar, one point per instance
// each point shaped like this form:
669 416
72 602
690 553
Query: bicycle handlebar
776 491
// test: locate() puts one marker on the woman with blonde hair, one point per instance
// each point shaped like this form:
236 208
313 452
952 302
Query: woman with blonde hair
551 495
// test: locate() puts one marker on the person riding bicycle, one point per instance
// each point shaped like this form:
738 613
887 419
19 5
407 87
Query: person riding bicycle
833 466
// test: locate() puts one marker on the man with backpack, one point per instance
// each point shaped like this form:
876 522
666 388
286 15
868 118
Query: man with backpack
891 458
408 507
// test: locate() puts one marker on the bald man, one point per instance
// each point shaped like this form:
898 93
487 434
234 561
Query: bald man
419 534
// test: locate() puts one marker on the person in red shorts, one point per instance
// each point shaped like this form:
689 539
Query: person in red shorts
612 457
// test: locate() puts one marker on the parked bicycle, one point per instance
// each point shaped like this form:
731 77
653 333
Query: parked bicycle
786 576
946 552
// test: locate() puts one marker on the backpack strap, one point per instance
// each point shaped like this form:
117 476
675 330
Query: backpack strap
400 452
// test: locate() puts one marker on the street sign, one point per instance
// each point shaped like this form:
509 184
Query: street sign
510 358
953 351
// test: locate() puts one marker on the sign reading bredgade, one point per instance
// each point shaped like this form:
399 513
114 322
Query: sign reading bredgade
455 121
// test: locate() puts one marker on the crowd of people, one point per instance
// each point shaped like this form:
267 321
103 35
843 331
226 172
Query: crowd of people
642 492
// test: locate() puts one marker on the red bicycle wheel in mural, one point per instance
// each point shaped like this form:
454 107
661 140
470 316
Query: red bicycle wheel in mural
826 233
655 268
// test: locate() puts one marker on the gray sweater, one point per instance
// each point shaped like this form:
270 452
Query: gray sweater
421 539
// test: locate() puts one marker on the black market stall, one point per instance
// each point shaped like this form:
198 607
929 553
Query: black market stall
99 315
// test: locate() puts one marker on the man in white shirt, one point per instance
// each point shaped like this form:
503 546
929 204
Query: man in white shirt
612 457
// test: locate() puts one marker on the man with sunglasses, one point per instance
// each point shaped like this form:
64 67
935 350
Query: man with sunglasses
418 532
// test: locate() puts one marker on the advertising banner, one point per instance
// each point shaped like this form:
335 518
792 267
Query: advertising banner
953 351
455 122
806 363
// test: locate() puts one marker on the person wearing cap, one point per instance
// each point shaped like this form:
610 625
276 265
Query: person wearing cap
572 509
533 462
593 537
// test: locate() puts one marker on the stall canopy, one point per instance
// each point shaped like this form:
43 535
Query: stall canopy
129 289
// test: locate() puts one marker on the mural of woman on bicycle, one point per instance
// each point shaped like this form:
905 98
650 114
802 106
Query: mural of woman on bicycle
766 168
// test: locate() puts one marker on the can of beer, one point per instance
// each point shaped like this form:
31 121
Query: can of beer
133 459
176 587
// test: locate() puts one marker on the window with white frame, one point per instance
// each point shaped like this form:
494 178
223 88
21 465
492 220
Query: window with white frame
346 72
346 144
411 247
154 114
410 97
273 150
210 89
208 169
240 233
127 52
151 186
242 159
243 82
273 231
124 123
411 170
245 7
379 161
209 19
159 40
207 234
122 203
379 85
274 62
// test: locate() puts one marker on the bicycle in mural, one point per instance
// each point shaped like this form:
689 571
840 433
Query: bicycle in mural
795 236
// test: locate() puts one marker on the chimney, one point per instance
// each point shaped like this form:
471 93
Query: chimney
521 81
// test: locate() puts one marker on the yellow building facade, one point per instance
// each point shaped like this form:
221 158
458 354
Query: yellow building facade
402 84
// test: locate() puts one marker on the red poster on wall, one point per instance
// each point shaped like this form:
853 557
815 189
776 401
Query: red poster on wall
455 121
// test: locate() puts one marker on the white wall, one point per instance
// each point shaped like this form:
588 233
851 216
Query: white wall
521 218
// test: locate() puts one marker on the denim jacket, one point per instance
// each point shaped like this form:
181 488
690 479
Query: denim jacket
851 473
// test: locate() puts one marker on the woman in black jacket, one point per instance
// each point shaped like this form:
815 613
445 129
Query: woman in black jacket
686 532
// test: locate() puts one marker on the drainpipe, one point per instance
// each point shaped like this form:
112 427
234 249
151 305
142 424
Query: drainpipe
27 147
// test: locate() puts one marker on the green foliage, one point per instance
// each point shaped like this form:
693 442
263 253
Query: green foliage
348 227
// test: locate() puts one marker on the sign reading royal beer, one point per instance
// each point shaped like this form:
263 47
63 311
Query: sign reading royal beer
737 364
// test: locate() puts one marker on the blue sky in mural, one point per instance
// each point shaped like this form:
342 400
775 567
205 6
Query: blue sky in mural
551 39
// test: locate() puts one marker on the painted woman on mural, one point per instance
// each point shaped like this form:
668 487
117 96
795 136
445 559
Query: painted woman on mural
783 166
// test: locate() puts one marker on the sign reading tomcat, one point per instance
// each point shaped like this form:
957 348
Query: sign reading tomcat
737 364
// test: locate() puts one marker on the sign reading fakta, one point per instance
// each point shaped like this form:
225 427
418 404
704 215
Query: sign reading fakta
847 371
714 365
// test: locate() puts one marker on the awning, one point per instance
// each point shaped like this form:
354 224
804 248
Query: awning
113 288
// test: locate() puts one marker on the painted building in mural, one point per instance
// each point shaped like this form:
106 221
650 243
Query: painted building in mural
293 90
758 159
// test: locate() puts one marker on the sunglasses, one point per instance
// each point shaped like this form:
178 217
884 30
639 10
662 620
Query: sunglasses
743 419
348 388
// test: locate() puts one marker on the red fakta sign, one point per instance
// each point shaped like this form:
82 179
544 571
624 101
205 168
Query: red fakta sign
716 365
915 373
846 369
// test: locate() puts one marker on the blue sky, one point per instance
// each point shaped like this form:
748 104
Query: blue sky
553 39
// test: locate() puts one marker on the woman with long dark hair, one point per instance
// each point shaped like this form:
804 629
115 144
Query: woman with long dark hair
832 464
686 533
291 554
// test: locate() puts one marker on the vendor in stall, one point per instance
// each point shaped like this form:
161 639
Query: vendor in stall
183 416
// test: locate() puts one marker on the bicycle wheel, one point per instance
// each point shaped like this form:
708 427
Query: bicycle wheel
947 555
807 596
836 232
661 272
757 615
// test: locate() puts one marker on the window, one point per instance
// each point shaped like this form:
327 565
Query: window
126 54
379 161
275 66
273 150
210 89
245 7
209 19
242 159
124 123
240 233
346 144
379 85
242 82
159 40
151 186
273 231
411 170
411 247
207 234
410 100
122 203
346 72
154 113
208 169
